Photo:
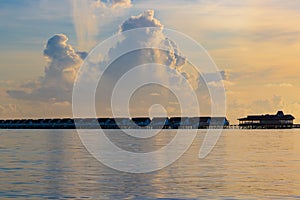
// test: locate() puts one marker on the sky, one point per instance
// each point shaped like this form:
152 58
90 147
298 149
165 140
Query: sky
255 44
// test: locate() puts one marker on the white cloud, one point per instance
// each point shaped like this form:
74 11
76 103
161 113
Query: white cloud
145 19
154 37
60 72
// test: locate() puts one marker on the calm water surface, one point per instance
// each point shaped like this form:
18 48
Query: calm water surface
53 164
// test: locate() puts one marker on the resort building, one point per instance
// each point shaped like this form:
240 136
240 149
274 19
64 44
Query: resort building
280 120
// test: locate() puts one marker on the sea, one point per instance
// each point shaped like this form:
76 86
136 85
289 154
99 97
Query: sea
244 164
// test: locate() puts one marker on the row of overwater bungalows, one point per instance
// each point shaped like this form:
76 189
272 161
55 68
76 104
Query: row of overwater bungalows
118 123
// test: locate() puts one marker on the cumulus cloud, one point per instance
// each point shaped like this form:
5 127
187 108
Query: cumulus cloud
145 19
56 84
150 37
173 66
62 59
144 39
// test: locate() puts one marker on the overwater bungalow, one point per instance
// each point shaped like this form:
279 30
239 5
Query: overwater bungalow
160 123
123 122
67 123
206 122
103 123
180 122
139 122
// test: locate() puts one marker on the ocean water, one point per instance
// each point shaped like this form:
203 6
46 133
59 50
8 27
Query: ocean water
245 164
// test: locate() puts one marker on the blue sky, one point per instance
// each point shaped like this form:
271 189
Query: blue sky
26 24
